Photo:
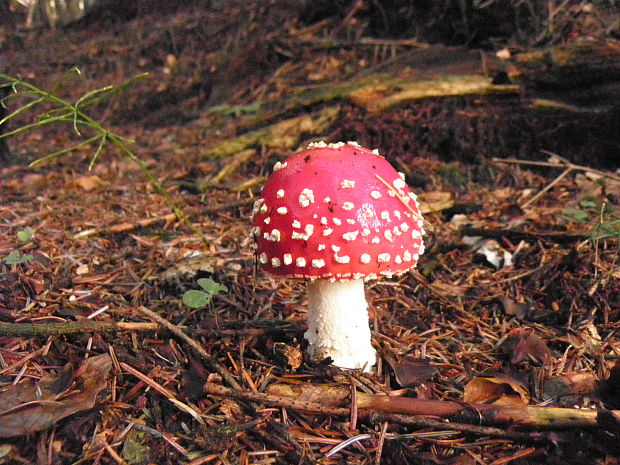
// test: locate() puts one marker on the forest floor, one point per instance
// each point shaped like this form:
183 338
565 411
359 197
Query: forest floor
514 304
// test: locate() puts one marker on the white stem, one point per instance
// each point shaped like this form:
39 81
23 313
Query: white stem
338 323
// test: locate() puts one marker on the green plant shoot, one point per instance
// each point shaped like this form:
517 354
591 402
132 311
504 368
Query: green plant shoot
17 258
200 298
26 234
74 115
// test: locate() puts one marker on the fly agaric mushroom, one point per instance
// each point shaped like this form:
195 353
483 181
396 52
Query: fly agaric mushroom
335 215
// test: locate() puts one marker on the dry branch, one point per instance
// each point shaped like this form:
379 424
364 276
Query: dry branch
90 326
521 235
125 227
525 416
163 391
71 327
321 408
551 164
280 401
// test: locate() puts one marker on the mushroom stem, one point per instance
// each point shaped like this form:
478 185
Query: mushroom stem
338 323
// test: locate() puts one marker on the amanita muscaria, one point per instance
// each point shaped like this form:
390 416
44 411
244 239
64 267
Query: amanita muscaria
336 215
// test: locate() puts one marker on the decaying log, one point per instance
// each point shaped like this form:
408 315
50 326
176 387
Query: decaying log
576 66
285 134
380 97
567 83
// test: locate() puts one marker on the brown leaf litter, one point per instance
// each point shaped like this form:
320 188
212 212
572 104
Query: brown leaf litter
502 347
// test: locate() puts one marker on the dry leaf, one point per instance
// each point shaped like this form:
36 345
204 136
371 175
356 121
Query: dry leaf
288 355
89 183
513 308
495 390
82 269
194 379
570 384
435 201
29 407
522 344
410 371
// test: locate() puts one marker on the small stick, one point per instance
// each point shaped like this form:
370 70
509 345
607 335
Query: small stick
380 443
548 187
425 422
157 434
71 327
117 458
31 355
125 227
520 235
146 222
90 326
550 164
213 363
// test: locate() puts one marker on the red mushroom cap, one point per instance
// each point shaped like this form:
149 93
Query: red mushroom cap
338 212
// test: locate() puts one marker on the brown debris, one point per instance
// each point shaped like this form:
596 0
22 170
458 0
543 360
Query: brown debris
28 407
475 358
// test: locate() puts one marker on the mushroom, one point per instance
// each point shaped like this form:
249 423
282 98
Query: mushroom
336 215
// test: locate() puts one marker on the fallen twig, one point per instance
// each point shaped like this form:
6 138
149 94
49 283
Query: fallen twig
146 222
467 230
568 168
526 416
125 227
90 326
425 422
71 327
547 188
411 419
572 166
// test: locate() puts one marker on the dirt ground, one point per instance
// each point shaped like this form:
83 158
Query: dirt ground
514 305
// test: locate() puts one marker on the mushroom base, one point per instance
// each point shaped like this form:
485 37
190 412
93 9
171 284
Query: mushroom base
338 324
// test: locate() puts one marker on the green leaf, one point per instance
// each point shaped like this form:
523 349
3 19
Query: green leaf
605 230
196 299
16 258
26 234
589 204
211 287
578 216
